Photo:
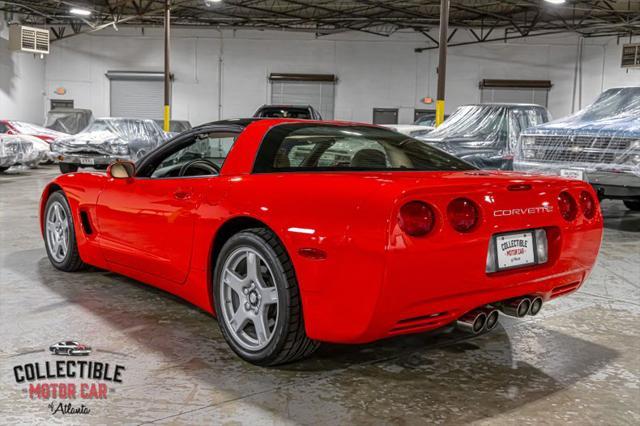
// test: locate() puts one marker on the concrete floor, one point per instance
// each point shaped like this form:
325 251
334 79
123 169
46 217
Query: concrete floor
578 362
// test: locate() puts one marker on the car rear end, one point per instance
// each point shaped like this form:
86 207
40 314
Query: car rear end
470 243
484 244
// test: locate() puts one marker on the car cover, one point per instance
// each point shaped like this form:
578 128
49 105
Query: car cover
70 121
22 149
604 136
113 136
485 134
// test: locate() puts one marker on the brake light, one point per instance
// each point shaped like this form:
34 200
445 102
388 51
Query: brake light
416 218
587 204
567 205
463 214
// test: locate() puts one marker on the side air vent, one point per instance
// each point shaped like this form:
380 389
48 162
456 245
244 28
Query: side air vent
86 223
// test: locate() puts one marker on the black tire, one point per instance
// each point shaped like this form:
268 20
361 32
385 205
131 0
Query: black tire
289 342
632 205
68 168
71 261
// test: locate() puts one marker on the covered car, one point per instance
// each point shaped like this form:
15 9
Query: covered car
68 120
599 144
22 149
107 140
485 135
14 127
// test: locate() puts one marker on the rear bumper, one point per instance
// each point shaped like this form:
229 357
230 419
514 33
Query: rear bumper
608 183
423 290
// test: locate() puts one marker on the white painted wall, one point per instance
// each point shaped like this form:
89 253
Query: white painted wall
372 71
21 82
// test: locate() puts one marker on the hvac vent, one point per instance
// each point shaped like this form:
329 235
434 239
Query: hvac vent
28 39
631 55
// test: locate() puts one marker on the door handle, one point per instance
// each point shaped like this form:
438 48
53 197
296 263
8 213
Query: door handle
182 195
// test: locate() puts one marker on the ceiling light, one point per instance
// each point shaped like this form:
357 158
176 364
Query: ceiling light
81 12
555 1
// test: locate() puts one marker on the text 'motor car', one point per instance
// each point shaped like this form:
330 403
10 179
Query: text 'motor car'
325 231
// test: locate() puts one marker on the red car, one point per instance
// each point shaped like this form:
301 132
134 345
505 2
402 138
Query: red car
12 127
325 231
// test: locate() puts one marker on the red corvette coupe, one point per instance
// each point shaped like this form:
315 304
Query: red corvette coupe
295 232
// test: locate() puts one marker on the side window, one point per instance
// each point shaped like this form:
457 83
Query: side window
202 157
3 128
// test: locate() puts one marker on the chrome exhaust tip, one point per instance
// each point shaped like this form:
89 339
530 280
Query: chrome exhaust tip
492 319
472 322
516 307
536 305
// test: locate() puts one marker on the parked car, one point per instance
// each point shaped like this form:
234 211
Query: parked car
600 144
22 149
68 120
106 140
13 127
485 135
175 126
305 112
69 347
270 232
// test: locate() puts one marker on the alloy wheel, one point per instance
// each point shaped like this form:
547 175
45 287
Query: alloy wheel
57 231
249 299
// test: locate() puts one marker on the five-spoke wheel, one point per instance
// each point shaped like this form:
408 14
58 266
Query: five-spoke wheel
257 300
250 298
59 234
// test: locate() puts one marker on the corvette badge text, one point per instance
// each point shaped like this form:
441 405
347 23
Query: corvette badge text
523 211
67 384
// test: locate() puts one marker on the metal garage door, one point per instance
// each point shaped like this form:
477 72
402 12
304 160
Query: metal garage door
515 91
319 95
136 94
515 95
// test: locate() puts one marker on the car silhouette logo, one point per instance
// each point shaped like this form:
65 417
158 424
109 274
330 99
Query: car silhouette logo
70 348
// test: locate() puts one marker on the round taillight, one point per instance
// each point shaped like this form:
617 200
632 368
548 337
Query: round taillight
567 205
416 218
587 204
463 214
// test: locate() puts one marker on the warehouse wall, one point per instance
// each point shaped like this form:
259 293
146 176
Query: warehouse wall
21 82
372 71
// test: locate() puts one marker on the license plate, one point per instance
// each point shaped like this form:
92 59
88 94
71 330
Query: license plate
88 161
572 174
515 249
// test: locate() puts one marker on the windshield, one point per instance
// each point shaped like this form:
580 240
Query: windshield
479 122
613 102
284 112
302 147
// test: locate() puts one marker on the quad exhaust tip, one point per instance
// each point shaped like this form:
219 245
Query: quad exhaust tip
472 322
492 319
536 305
517 307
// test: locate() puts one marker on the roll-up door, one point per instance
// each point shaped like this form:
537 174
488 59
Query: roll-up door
305 89
136 95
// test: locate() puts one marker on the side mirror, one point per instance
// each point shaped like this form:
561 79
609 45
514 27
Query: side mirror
121 170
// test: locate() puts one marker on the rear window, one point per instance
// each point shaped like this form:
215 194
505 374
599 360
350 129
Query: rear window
303 147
